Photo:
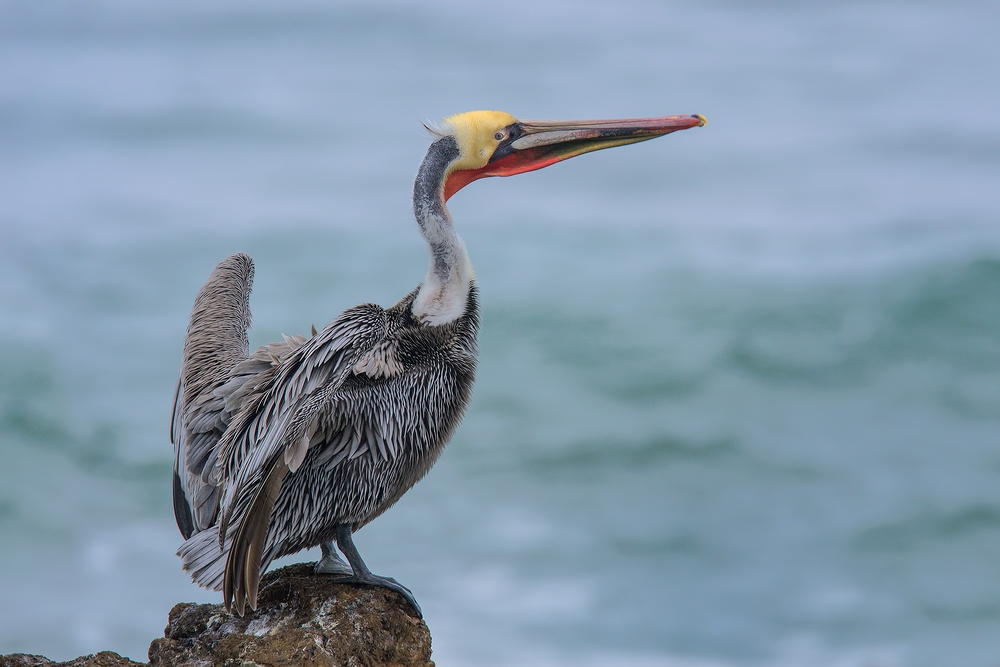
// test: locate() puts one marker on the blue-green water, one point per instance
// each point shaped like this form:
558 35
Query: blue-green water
739 394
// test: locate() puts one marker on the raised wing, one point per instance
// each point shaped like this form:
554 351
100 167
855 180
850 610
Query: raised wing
216 341
216 376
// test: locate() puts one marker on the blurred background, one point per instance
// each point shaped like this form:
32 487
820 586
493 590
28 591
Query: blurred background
739 393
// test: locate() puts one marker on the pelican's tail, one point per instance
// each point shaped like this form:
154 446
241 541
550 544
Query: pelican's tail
203 559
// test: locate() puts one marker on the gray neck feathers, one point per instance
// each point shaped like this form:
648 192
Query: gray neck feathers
428 189
443 295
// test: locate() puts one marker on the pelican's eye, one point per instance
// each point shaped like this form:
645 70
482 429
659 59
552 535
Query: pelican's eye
500 136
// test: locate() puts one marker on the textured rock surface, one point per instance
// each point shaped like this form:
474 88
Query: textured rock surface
102 659
301 619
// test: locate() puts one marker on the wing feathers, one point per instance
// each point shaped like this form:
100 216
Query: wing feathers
279 419
246 421
295 453
215 342
243 565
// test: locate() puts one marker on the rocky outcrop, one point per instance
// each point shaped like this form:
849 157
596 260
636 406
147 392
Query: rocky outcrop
301 619
102 659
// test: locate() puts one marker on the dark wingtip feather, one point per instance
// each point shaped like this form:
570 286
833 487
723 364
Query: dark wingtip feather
182 511
243 565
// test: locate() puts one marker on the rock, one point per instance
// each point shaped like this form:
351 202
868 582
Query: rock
301 619
102 659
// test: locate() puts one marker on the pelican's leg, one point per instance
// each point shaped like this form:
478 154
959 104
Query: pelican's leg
362 575
331 563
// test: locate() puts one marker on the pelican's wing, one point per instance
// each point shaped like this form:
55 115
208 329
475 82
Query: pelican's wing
270 437
215 343
216 376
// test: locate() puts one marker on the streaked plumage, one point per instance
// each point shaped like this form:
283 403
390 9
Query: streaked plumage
309 439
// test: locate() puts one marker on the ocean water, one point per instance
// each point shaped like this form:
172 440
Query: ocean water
739 393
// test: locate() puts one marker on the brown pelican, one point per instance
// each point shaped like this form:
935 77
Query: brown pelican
307 440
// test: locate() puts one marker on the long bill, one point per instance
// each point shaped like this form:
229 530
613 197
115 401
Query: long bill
537 144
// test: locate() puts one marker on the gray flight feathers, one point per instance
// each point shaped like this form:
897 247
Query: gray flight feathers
217 374
202 559
216 341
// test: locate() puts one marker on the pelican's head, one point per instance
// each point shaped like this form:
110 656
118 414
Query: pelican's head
494 143
477 133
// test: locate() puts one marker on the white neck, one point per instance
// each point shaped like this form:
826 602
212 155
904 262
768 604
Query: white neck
445 291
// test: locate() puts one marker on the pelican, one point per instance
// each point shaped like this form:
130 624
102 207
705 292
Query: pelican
306 440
